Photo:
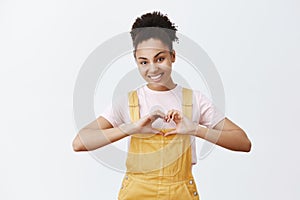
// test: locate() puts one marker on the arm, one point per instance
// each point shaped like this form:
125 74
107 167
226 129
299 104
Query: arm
226 134
97 134
101 132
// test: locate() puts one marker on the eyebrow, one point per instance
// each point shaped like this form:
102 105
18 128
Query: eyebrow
154 56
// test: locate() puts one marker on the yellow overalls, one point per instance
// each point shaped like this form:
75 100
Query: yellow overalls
159 167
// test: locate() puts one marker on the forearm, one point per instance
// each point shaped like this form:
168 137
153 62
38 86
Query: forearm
235 140
91 139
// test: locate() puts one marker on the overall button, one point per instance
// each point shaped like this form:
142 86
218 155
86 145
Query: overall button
195 193
191 182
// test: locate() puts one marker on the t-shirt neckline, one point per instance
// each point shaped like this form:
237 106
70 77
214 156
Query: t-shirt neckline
161 92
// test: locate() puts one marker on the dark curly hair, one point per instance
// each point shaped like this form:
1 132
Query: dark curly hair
153 25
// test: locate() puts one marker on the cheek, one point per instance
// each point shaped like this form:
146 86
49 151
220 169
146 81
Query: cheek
142 70
166 66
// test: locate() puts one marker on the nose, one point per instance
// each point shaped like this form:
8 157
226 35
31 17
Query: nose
153 67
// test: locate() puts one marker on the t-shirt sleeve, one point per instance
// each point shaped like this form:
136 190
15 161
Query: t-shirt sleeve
210 115
117 112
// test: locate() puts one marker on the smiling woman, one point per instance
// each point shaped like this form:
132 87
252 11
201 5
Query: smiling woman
160 160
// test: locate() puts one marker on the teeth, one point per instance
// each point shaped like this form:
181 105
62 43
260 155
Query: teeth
156 77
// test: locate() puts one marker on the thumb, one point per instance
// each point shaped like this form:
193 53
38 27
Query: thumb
170 133
155 131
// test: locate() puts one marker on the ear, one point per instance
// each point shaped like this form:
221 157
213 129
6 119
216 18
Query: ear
173 56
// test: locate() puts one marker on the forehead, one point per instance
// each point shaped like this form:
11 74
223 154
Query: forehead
151 46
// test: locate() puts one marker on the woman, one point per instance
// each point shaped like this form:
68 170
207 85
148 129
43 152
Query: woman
159 162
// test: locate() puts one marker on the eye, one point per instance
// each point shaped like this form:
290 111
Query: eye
143 63
160 59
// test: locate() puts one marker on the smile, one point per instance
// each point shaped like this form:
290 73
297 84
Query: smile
156 77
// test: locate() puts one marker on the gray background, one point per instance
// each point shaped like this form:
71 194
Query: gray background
44 43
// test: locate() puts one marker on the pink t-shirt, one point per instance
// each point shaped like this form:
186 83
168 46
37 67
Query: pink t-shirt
204 112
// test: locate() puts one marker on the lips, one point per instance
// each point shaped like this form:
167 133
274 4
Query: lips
156 77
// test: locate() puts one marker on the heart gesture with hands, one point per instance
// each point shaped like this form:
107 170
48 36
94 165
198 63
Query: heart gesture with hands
144 125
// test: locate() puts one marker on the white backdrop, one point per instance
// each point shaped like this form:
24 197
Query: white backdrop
255 46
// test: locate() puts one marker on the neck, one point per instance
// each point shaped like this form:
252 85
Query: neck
162 87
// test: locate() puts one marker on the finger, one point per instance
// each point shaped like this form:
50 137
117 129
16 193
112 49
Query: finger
169 115
170 133
159 133
178 116
166 118
170 112
174 114
157 114
156 131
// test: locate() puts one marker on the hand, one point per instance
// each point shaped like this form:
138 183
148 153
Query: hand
183 125
143 125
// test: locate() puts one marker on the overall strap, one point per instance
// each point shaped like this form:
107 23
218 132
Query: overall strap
187 102
134 106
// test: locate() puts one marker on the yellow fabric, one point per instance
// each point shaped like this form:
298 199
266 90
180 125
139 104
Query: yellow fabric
134 106
187 105
159 167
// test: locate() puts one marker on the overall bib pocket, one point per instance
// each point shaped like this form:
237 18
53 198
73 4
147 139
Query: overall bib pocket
156 157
